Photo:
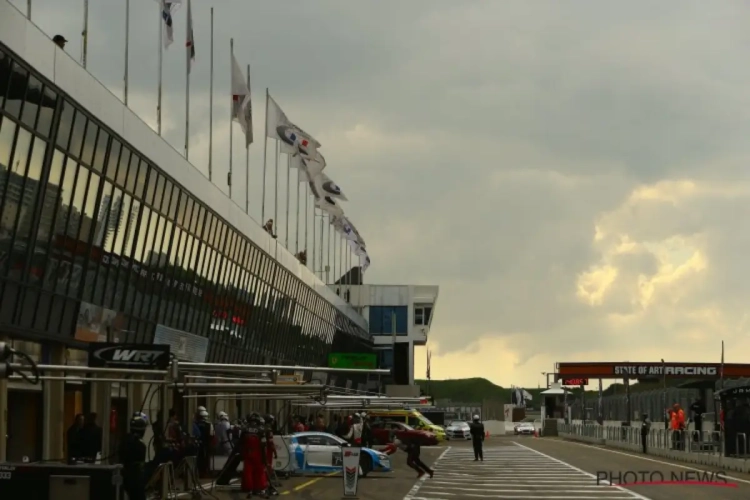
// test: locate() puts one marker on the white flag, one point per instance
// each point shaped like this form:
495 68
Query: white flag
344 226
357 248
325 202
190 40
364 261
293 139
331 188
310 168
168 7
242 109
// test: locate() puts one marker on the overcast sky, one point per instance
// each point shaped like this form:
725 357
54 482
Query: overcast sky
573 175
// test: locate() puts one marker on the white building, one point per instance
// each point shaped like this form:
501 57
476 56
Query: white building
407 309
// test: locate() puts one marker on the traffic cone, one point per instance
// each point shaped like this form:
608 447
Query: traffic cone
536 433
486 434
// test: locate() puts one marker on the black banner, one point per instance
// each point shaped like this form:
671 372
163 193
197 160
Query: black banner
112 355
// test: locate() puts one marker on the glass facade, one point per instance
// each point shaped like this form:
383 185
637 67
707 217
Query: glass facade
84 218
384 318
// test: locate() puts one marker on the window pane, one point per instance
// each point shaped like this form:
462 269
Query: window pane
163 206
51 198
106 219
90 208
7 132
21 153
77 134
114 158
46 111
100 151
28 198
122 169
89 143
66 125
31 106
135 162
76 208
16 90
159 194
140 183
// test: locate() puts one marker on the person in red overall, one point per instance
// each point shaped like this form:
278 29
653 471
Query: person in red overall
253 466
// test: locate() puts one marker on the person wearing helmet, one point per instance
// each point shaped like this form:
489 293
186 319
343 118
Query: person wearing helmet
133 459
253 466
223 439
205 436
476 428
271 455
367 435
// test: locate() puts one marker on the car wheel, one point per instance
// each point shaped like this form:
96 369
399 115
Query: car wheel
365 464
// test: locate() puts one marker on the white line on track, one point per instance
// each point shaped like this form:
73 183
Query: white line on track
632 493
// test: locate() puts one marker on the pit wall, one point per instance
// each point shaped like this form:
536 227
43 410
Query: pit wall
659 445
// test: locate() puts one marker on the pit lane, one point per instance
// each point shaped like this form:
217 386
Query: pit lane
376 486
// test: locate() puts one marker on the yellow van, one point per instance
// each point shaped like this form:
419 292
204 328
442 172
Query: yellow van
410 417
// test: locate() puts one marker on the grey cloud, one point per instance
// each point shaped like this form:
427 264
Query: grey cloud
509 131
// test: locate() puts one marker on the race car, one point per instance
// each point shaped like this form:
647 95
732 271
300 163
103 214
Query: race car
320 453
524 428
458 429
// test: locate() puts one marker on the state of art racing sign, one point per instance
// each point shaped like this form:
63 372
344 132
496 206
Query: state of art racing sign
651 370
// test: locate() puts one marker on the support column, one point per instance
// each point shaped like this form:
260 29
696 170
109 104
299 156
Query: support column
54 408
411 362
3 416
101 404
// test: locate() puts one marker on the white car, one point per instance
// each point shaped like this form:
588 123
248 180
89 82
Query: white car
458 429
321 453
522 428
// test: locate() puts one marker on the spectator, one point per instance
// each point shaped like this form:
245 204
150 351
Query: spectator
75 439
91 435
60 41
268 227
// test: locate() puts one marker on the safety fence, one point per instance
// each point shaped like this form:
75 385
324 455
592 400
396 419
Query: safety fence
701 447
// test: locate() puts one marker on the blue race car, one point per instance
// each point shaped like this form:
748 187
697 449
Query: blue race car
320 452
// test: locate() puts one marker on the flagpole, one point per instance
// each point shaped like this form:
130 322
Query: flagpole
265 148
28 10
288 188
247 159
322 237
85 34
335 244
314 262
307 218
211 105
296 219
328 252
187 81
231 120
276 187
161 60
127 49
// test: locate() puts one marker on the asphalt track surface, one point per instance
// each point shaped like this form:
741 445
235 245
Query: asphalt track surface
529 468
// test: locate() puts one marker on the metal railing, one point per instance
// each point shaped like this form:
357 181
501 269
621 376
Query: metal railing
708 442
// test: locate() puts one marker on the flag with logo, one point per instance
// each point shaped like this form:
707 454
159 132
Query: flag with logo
190 40
343 226
168 8
325 202
331 188
242 109
293 139
364 262
310 167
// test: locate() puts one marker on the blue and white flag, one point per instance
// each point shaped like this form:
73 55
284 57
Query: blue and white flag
168 8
